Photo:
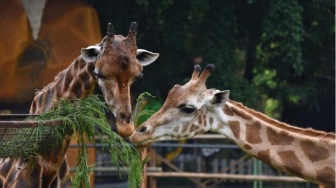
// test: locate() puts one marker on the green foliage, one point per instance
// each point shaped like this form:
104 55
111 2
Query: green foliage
140 111
279 50
145 107
271 106
282 35
266 77
86 118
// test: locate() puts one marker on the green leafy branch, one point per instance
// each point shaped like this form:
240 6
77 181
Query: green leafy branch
86 119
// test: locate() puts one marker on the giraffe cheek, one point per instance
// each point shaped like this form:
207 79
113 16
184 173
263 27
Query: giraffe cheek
108 91
111 105
176 129
197 129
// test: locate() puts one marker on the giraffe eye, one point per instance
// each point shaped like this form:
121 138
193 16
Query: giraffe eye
187 109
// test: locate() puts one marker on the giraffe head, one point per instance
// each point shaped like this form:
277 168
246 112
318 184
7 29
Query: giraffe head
118 63
184 113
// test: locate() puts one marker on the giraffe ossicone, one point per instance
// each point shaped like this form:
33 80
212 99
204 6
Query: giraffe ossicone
192 109
113 65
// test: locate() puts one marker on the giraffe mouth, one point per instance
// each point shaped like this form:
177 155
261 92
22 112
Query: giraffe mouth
125 129
143 144
149 141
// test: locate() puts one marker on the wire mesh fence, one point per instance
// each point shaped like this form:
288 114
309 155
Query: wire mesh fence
20 137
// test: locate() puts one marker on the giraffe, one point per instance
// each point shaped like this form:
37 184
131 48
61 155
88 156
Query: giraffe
113 65
192 109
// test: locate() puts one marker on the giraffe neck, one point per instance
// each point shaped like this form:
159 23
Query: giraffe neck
77 81
305 153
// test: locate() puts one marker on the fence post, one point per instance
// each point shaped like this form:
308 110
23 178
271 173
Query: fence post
257 170
152 163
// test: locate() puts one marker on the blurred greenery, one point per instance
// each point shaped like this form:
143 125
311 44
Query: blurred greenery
145 107
275 56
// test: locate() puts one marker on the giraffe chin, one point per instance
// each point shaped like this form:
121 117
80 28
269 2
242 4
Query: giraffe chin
125 130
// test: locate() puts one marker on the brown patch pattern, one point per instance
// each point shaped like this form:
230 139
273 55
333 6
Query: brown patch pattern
264 156
193 128
291 163
253 133
313 151
264 118
199 119
247 147
278 138
235 128
227 111
327 176
204 120
211 120
184 128
176 129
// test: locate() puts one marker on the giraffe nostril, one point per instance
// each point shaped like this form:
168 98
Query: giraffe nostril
125 118
142 130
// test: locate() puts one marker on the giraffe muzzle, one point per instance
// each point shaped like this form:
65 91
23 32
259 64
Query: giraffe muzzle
141 137
125 129
125 118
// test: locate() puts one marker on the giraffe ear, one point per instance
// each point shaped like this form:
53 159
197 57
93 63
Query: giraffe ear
220 98
91 53
146 57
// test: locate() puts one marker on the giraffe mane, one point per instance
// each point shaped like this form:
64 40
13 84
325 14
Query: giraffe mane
305 131
60 75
